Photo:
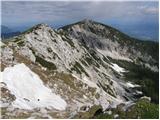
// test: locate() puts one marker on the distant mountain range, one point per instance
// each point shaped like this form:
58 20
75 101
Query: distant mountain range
82 70
7 32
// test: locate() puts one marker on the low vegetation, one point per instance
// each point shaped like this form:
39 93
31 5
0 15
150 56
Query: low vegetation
147 79
69 41
143 109
79 69
44 63
94 110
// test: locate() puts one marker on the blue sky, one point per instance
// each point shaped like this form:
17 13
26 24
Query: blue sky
139 19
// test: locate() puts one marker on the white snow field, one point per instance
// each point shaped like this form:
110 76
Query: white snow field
29 89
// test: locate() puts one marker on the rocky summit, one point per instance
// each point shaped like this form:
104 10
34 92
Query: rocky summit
82 70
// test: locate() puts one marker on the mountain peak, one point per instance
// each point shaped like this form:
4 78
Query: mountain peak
42 25
36 27
87 20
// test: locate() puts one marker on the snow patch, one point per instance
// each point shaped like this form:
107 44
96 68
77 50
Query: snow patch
139 92
117 68
29 89
129 84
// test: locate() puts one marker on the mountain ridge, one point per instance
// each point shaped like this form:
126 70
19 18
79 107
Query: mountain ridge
87 69
123 38
107 26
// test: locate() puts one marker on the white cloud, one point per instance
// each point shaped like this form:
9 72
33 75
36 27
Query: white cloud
23 12
151 10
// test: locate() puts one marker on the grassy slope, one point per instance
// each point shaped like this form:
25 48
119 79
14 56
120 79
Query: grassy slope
138 74
143 109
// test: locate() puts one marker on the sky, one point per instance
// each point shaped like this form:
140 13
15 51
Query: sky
138 19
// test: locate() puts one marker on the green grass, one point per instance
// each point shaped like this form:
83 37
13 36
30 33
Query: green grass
143 109
49 50
138 74
79 69
90 113
17 39
106 88
44 63
21 43
69 41
88 60
84 62
91 61
67 79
